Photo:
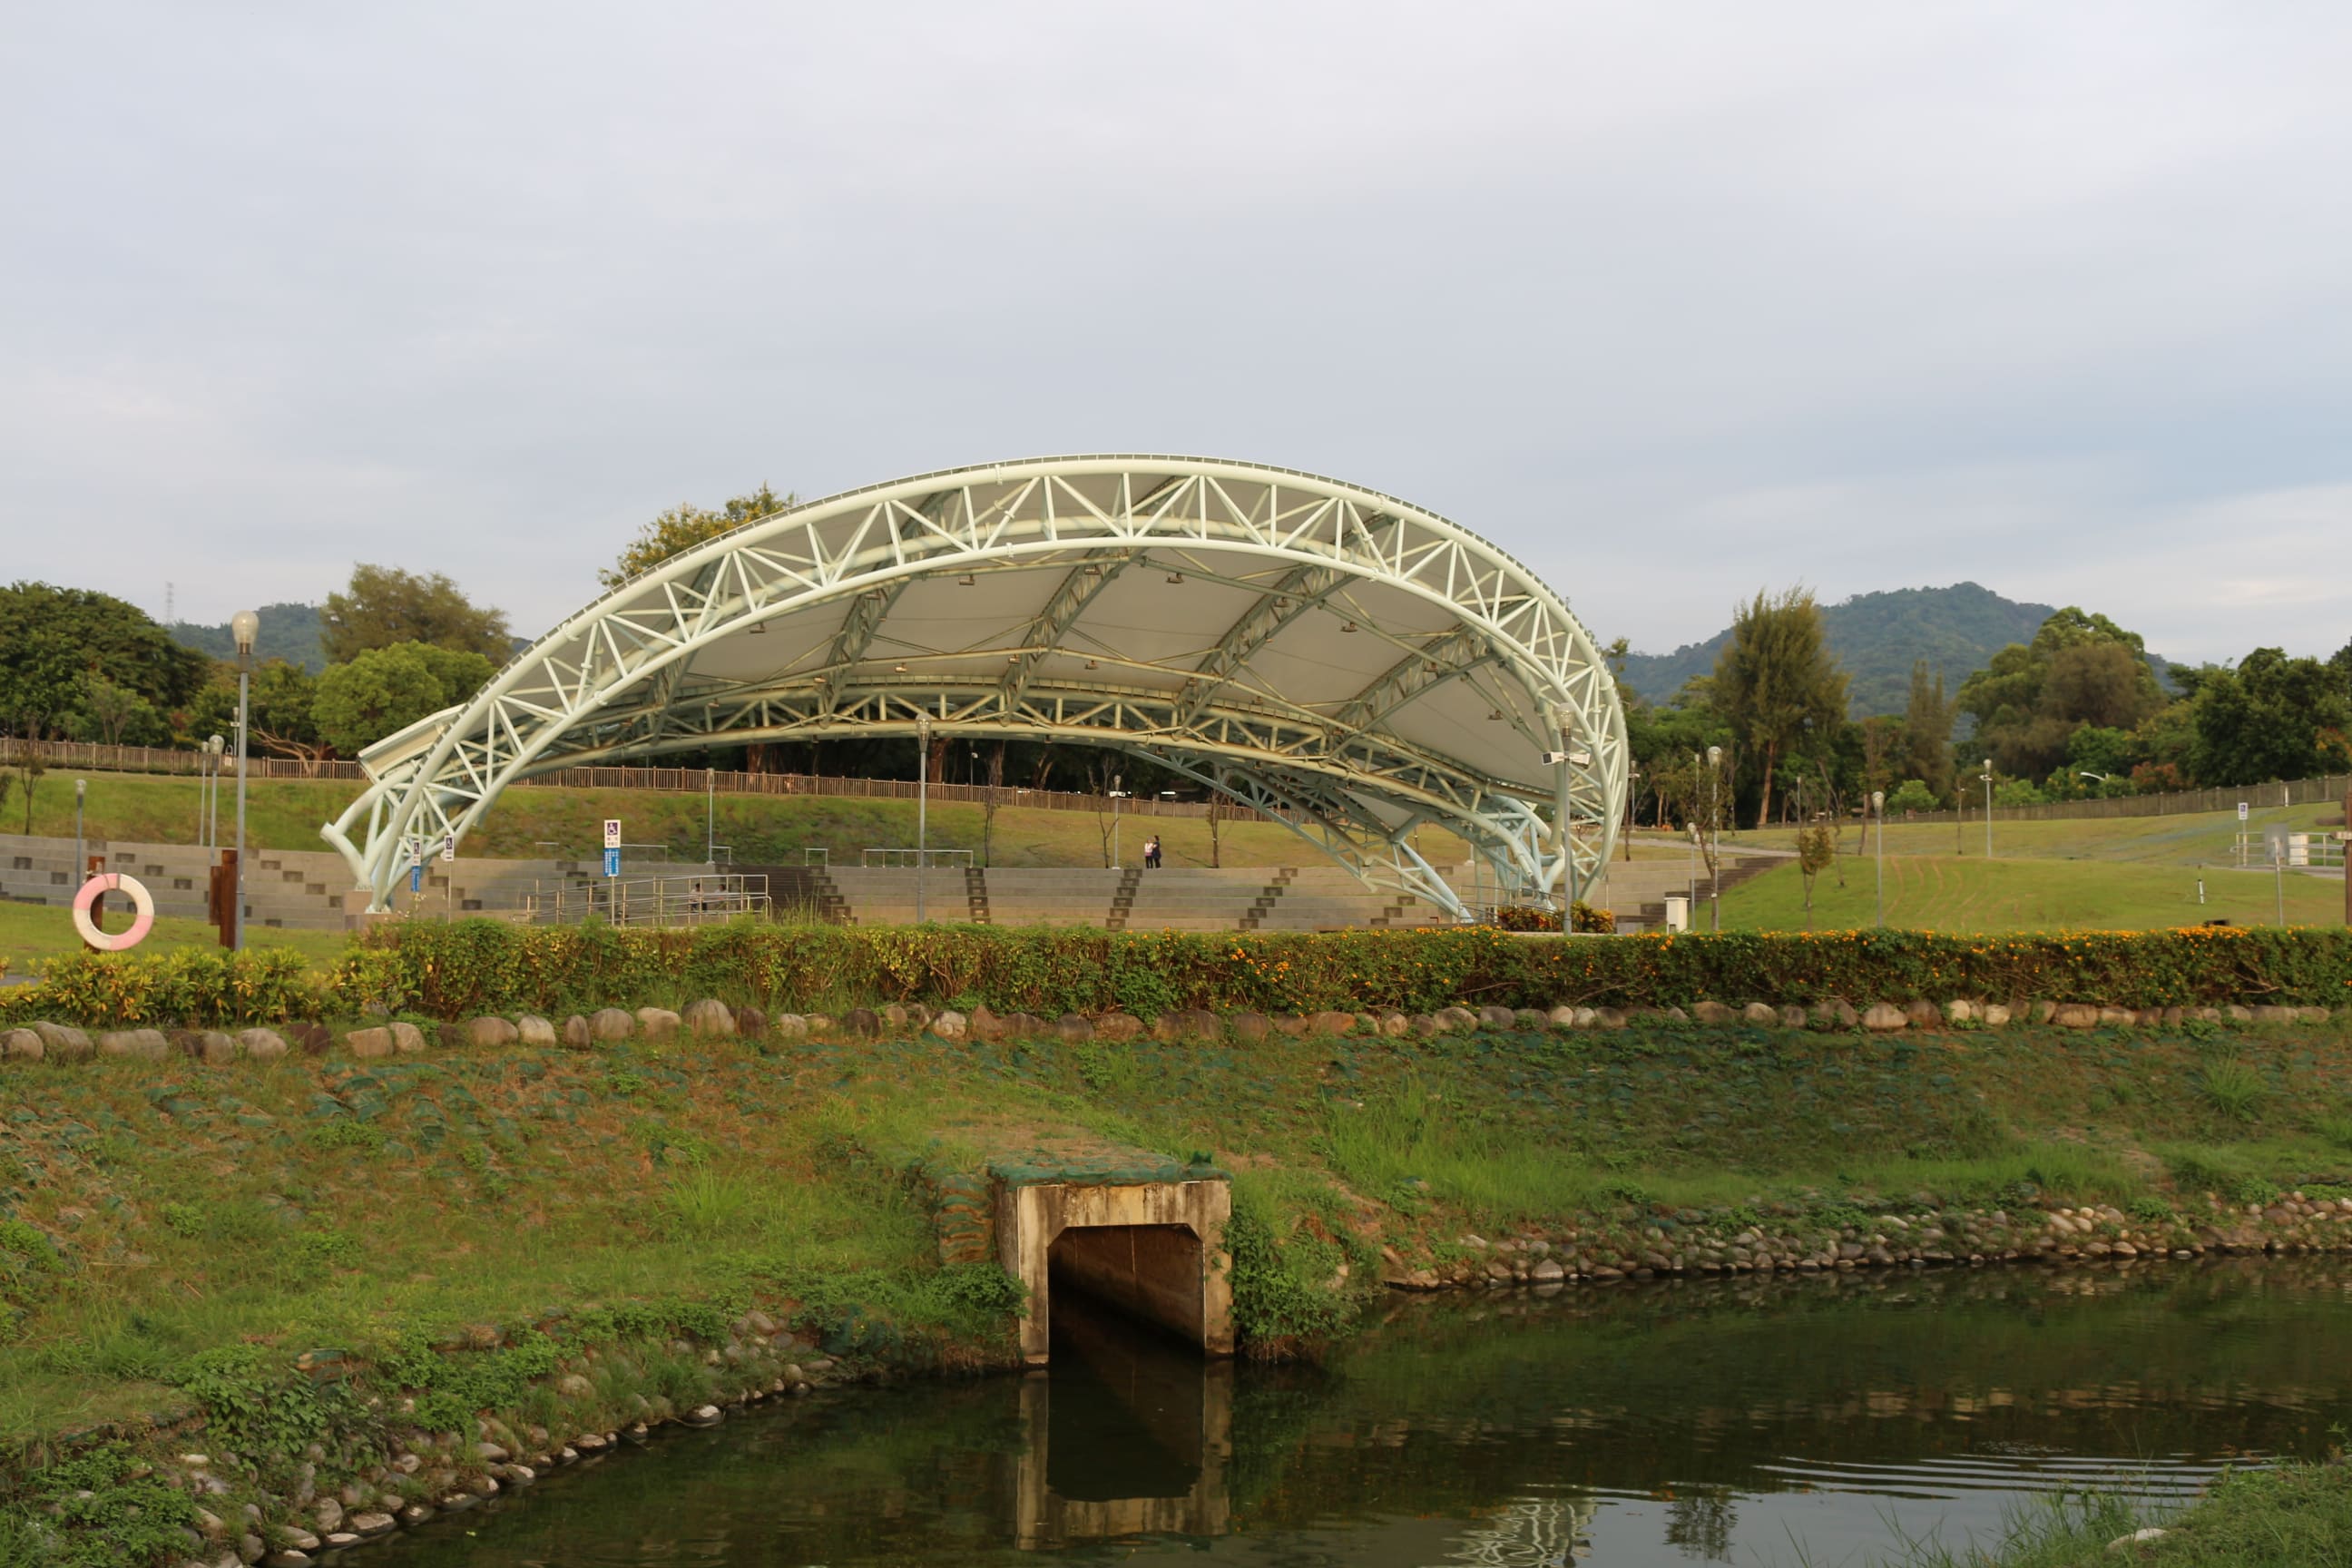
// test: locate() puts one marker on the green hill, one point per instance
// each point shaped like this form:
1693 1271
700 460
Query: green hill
289 632
1877 636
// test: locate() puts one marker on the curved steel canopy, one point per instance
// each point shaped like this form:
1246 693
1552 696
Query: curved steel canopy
1330 655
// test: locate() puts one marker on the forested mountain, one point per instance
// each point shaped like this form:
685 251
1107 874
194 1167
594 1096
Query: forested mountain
1877 637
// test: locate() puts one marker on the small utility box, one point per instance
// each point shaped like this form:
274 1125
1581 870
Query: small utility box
1678 912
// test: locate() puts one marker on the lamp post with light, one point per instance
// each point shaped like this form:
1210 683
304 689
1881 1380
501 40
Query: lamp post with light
213 746
1715 840
1117 794
1878 809
1988 783
922 805
244 627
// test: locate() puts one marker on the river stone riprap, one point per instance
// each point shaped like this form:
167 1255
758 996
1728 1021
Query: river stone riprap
709 1019
489 1032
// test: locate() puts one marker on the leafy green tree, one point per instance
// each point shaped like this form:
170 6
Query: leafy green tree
384 606
1662 741
458 674
385 689
115 715
1816 853
2080 668
686 525
54 640
283 696
2271 717
1928 731
1777 678
1914 795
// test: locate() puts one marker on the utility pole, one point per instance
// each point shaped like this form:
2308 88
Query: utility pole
2344 837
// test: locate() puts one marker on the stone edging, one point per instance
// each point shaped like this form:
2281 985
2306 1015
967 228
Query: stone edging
711 1019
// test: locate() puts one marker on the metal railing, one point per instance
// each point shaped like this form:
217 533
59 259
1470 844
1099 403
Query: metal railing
2297 851
651 902
933 858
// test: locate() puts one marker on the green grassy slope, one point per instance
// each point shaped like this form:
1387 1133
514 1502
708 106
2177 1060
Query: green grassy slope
2194 839
1944 893
531 823
160 1210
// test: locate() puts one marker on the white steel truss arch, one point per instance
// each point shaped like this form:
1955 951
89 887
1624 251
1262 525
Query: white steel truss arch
1349 663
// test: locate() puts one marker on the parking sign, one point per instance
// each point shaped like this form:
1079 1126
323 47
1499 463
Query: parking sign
2241 811
612 833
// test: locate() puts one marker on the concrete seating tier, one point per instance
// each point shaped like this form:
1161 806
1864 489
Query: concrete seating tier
1171 898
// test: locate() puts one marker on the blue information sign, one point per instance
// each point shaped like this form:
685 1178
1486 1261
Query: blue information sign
612 862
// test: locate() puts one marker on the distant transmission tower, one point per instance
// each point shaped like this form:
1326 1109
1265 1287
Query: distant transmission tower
169 618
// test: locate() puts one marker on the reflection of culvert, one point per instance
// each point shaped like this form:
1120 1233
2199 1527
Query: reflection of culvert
1155 1250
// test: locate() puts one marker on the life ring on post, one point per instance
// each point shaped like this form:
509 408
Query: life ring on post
142 903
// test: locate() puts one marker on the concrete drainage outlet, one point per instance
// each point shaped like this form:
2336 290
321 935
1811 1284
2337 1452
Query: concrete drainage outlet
1155 1249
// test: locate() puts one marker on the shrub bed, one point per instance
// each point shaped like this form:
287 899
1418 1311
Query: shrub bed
485 966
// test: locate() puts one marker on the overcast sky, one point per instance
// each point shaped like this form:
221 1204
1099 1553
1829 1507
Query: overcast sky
1674 302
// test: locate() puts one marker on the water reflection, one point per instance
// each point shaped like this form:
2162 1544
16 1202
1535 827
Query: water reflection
1674 1422
1128 1435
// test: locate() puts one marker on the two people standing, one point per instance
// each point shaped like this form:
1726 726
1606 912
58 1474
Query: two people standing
1151 853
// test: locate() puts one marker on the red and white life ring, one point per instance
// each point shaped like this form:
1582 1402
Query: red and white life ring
142 904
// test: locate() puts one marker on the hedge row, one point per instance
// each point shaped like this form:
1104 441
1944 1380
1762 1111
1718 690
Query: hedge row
484 966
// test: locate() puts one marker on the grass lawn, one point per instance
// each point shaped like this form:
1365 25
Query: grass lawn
2197 838
1941 892
531 823
29 933
2294 1516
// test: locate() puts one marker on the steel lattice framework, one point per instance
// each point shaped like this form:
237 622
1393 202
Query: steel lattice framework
1336 658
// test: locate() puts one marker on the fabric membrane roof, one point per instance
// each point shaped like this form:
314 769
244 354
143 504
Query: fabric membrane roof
1327 653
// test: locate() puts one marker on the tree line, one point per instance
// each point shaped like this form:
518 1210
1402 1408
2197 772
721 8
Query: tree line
2076 713
400 645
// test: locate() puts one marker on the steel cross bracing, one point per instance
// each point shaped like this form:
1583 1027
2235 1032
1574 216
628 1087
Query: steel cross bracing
619 679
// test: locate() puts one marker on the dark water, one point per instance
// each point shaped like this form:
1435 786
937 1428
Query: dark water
1736 1422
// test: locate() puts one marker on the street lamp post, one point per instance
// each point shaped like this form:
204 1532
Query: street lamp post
1878 809
1117 794
1691 903
922 805
244 627
1715 840
1988 783
81 862
216 745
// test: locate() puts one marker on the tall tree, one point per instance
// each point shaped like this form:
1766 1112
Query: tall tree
686 525
2271 717
385 689
55 641
2080 668
385 606
1928 731
1776 674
